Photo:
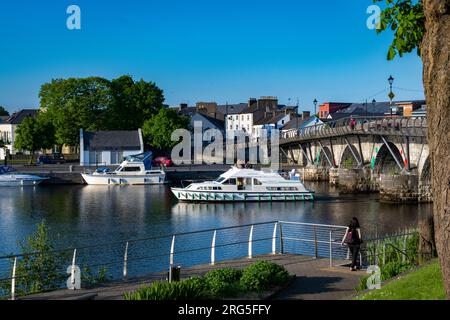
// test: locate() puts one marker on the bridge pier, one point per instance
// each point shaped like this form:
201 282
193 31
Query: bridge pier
315 173
399 188
355 180
334 176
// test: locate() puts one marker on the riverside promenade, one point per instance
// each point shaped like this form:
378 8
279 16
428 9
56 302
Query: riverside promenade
314 280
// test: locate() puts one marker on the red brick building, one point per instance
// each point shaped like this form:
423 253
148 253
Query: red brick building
330 107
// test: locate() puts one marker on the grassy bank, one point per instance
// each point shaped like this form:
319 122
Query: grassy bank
424 283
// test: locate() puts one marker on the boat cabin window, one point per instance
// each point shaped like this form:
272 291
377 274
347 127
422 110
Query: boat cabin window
209 188
282 189
131 169
220 179
231 181
256 182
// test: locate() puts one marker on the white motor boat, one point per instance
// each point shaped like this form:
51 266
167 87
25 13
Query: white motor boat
135 170
246 185
9 179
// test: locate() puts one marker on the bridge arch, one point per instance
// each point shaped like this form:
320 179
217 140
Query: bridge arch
425 175
324 157
348 160
384 160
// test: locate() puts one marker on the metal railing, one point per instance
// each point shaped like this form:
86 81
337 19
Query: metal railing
408 126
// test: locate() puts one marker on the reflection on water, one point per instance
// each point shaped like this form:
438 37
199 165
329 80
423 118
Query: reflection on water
81 215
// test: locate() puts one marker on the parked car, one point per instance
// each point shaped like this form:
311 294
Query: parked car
55 158
162 161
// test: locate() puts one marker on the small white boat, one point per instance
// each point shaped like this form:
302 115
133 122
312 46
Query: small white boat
246 185
8 179
135 170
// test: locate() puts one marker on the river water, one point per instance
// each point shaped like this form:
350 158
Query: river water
85 215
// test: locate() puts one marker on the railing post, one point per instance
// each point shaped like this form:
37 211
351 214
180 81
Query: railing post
125 259
331 249
72 271
172 251
171 254
404 250
316 248
281 238
13 280
274 239
213 249
250 240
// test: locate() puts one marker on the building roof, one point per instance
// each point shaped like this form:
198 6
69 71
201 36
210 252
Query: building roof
188 111
232 108
3 119
112 140
18 117
294 123
220 124
270 119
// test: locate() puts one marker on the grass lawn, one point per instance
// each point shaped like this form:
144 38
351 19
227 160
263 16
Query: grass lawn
422 284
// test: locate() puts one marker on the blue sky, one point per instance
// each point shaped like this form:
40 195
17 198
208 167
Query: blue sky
224 51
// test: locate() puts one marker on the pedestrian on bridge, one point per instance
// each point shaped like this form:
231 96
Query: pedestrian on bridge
352 238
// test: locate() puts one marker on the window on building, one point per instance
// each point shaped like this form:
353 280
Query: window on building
256 182
248 117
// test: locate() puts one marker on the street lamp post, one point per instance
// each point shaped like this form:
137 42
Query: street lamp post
315 106
391 95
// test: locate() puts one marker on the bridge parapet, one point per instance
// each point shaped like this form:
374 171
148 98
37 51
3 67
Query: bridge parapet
398 126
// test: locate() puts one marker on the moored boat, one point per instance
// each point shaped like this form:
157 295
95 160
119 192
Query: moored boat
9 179
245 185
135 170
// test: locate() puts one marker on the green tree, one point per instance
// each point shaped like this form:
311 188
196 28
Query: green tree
425 26
74 103
3 111
39 268
158 129
34 134
132 103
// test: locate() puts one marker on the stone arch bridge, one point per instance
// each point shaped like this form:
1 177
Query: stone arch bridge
389 155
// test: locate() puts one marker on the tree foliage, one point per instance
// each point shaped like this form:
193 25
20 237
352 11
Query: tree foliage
74 103
158 129
132 103
3 111
96 103
34 134
39 269
405 18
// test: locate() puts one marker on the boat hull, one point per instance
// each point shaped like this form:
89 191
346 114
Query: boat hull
217 196
20 181
123 180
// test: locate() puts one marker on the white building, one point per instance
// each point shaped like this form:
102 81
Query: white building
109 147
9 126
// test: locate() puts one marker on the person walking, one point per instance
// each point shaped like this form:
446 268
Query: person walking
352 238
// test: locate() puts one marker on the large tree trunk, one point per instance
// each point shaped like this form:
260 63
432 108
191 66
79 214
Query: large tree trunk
427 244
435 52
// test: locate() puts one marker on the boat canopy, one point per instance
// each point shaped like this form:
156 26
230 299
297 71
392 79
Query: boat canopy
6 169
145 157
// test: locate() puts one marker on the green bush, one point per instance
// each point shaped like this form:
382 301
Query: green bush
348 163
223 282
263 275
189 289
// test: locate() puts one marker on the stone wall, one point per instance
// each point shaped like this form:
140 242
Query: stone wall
354 180
399 188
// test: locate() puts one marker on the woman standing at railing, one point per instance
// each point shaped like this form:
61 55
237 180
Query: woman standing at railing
352 238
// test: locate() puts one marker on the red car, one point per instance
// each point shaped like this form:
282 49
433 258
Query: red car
162 161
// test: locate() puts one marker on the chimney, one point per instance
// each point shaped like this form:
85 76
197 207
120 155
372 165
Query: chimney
305 115
183 106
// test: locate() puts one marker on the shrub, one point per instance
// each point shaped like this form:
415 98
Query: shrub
263 275
189 289
223 282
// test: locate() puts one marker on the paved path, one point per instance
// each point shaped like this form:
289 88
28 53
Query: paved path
315 280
